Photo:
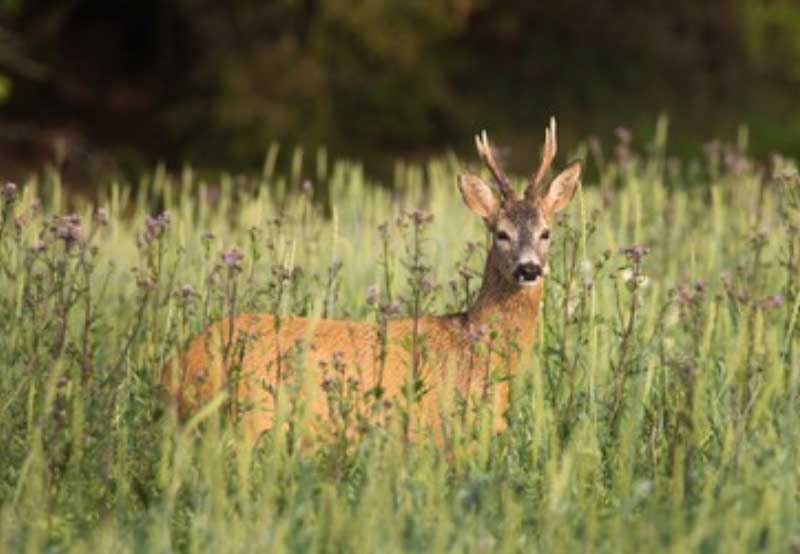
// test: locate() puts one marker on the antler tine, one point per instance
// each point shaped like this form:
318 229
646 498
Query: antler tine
548 154
485 152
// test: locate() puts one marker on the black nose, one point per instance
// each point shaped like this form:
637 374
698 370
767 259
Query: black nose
527 272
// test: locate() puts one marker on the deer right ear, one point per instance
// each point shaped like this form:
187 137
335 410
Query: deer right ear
478 196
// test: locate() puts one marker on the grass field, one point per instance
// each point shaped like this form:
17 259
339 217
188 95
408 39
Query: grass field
658 411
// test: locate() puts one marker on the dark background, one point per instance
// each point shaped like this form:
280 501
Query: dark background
104 86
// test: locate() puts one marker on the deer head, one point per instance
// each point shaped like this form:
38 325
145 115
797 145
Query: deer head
520 225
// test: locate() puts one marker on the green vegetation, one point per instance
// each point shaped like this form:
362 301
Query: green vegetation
212 82
659 408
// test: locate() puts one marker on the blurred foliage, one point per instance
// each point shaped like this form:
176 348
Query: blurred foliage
5 88
216 82
771 37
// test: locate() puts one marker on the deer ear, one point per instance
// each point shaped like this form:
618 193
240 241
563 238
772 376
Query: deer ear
562 188
478 196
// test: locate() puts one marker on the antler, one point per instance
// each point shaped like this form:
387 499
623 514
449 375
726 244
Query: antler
485 152
548 153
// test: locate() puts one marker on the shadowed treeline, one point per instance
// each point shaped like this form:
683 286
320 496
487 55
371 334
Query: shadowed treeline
93 85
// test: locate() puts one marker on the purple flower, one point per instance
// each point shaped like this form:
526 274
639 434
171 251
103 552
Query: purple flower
373 294
20 221
39 246
68 228
146 283
774 301
101 217
420 217
623 134
187 291
636 252
155 226
232 258
9 192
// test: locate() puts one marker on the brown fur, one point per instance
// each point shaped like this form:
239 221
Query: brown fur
454 342
456 349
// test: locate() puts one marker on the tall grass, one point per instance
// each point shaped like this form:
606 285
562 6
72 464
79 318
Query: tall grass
658 410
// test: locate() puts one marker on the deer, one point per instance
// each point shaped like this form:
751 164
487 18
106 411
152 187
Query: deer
462 351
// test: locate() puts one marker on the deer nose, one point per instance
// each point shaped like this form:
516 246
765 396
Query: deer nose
527 272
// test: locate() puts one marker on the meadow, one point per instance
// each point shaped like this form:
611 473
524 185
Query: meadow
658 409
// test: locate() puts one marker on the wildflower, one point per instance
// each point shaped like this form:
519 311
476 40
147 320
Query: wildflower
596 147
20 222
101 217
477 333
187 291
635 253
735 162
69 229
9 192
232 258
373 294
427 285
39 246
623 151
420 217
389 310
623 134
465 272
774 301
155 226
146 282
700 285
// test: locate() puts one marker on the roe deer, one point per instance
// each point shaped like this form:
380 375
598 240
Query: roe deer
508 304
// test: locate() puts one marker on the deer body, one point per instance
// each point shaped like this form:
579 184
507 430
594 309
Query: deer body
263 354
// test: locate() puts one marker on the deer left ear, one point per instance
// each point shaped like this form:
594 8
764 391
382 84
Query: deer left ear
478 196
562 189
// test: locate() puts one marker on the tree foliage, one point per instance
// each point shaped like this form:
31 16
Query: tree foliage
215 81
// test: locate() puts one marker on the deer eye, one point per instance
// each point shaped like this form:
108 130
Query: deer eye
502 235
545 234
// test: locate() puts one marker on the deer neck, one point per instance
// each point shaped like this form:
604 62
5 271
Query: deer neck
505 306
